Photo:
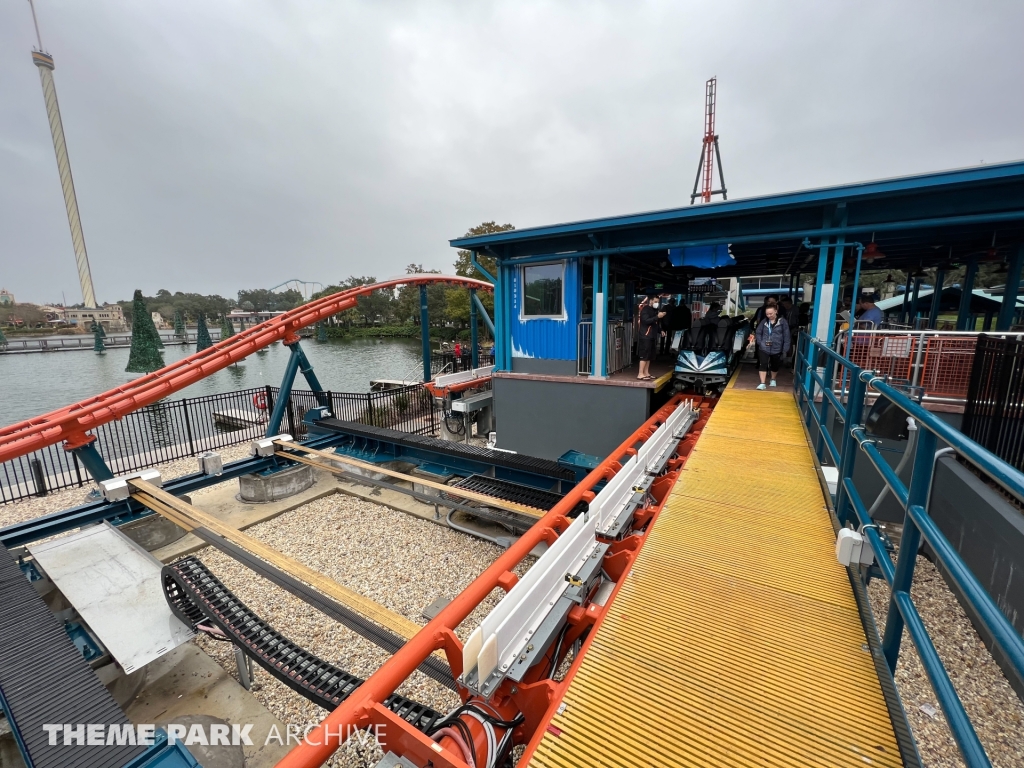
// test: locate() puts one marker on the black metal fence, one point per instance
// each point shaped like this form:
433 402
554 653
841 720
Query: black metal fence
447 361
177 429
994 413
407 409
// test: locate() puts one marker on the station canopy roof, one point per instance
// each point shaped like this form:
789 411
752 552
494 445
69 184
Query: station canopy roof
915 221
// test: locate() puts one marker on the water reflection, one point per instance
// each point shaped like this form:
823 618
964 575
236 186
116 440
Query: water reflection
36 383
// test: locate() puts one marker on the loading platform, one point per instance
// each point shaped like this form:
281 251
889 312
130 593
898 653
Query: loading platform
737 639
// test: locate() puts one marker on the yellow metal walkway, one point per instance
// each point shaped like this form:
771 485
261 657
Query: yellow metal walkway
736 639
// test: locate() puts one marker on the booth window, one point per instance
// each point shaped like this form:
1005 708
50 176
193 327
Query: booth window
542 290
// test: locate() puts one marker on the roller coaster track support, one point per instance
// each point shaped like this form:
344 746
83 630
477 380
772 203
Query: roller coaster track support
72 423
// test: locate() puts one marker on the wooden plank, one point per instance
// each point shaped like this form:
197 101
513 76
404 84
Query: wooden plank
190 518
288 450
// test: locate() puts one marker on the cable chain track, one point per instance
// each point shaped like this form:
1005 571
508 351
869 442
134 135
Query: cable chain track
196 596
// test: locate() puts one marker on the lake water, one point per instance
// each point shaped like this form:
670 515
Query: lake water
34 384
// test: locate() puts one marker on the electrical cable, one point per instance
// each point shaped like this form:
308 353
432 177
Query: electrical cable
911 442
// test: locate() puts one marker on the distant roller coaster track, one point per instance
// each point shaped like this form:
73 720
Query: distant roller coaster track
72 423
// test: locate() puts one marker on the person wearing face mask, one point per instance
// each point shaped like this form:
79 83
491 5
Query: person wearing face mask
773 341
651 315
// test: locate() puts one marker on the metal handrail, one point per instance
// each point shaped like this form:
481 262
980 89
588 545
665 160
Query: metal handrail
918 524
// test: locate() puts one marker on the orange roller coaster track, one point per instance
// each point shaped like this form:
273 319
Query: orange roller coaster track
70 424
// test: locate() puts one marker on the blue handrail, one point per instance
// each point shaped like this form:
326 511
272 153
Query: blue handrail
918 525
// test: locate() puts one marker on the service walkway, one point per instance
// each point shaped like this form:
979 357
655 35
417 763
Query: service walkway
736 640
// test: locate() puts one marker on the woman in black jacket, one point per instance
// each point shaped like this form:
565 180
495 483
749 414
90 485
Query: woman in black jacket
650 332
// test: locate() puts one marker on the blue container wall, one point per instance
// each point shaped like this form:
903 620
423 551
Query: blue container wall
544 337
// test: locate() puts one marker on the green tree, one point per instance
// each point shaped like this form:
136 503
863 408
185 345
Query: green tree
465 268
203 340
97 337
144 356
227 330
463 265
179 325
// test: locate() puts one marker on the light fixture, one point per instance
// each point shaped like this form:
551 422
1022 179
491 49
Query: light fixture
871 253
888 286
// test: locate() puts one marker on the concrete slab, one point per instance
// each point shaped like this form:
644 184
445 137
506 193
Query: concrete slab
222 502
186 683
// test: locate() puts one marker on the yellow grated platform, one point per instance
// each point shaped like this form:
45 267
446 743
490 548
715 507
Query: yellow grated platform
735 640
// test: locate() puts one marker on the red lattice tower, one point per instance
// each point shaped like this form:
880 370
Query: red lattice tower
709 151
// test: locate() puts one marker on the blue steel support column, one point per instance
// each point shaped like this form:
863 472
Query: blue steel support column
819 282
595 358
837 271
506 311
1009 308
281 404
482 312
913 300
963 316
487 275
815 308
474 347
93 461
920 483
604 328
310 376
933 313
425 331
906 298
500 342
848 447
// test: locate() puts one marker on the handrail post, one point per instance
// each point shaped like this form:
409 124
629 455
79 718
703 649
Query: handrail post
826 381
910 542
848 446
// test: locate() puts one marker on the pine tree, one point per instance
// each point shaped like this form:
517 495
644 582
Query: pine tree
146 344
203 340
179 326
227 330
97 337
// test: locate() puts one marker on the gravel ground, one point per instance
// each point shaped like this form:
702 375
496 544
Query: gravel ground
400 561
993 706
26 509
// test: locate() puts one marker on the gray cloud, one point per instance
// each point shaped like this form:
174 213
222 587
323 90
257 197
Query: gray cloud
220 145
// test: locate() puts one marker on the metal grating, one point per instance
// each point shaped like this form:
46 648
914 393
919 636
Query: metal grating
515 492
732 642
44 679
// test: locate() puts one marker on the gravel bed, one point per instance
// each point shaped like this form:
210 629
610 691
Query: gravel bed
402 562
27 509
992 705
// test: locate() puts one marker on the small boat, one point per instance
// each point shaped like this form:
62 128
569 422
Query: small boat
238 418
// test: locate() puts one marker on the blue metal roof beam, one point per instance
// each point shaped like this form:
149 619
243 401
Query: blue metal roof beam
956 181
960 210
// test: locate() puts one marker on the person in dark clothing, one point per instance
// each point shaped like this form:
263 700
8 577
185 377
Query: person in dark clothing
650 332
713 315
666 325
773 341
681 321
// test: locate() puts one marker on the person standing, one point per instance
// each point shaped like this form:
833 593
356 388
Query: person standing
650 332
669 309
773 341
867 313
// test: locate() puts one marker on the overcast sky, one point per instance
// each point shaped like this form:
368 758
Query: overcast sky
223 144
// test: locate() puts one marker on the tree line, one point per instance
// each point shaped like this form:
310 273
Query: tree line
447 305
